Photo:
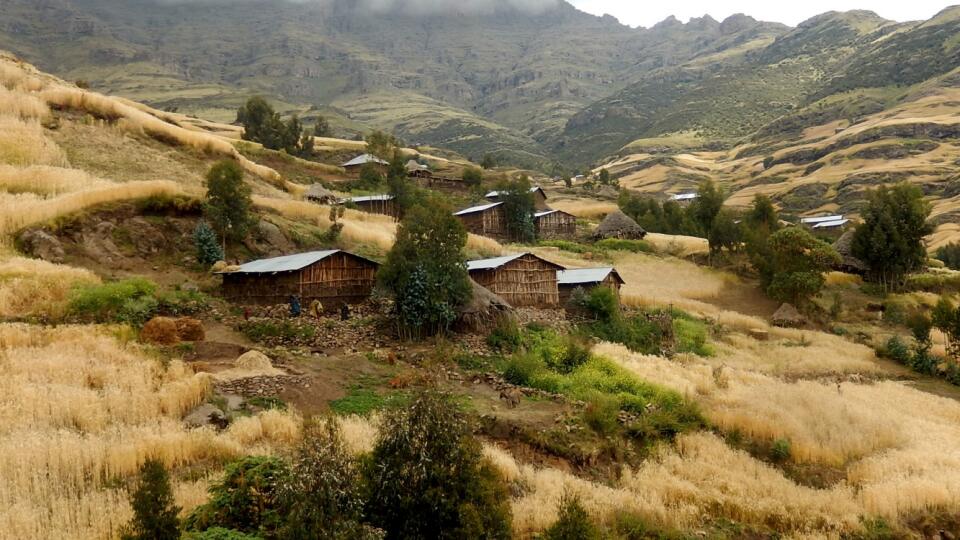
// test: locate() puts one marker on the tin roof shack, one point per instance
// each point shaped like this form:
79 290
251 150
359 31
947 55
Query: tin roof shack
333 277
554 224
374 204
486 220
539 197
417 170
523 280
356 164
587 279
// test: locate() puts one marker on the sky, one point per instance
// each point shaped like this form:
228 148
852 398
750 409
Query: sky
791 12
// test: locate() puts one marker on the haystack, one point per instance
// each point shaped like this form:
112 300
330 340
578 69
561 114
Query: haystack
254 360
848 263
190 329
619 225
320 194
482 311
160 331
787 317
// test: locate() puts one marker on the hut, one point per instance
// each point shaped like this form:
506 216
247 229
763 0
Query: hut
486 220
539 197
482 311
333 277
787 316
374 204
354 165
848 263
417 170
587 279
554 224
619 225
320 195
523 280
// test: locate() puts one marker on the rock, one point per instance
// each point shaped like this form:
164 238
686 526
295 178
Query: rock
42 245
160 331
99 245
190 287
190 329
205 415
146 236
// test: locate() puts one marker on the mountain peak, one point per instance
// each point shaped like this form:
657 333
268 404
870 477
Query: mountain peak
669 22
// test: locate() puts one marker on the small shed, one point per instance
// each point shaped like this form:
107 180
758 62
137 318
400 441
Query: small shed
587 279
321 195
554 224
539 197
374 204
482 311
523 280
418 170
486 220
354 165
619 225
333 277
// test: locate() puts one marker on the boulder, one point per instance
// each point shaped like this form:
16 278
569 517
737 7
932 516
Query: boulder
42 245
160 331
190 329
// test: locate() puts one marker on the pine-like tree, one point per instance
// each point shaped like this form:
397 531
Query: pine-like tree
208 248
154 512
573 522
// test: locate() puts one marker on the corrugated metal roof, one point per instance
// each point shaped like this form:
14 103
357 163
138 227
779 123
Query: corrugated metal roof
534 189
363 159
821 219
474 209
578 276
684 196
288 263
368 198
489 264
831 224
545 213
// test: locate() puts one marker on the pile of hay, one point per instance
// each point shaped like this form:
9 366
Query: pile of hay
619 225
254 360
482 311
160 331
190 329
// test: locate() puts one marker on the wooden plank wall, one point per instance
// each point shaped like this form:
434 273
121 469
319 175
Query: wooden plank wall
524 282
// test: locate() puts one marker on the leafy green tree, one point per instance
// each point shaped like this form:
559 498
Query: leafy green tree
398 184
519 206
763 215
321 128
946 318
381 144
228 204
426 270
724 232
472 176
797 263
950 255
604 177
291 136
247 499
760 222
370 177
154 511
205 240
260 123
427 477
573 522
890 239
489 161
707 205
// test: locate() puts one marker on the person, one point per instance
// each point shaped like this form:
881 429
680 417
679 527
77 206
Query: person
316 309
344 311
246 313
294 306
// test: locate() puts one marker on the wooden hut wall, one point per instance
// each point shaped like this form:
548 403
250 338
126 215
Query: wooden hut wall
383 207
556 225
491 223
524 282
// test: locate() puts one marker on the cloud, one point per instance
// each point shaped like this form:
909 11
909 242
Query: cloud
413 7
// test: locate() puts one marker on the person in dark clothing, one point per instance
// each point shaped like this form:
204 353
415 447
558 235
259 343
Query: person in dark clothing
344 311
294 306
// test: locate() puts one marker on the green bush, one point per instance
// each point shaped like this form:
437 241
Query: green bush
896 350
601 414
205 241
636 333
154 512
601 303
691 336
633 246
219 533
573 522
180 303
567 245
137 311
506 337
574 353
105 302
521 368
950 255
780 451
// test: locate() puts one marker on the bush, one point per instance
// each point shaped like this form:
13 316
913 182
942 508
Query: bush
636 333
691 336
601 303
573 523
601 414
566 245
780 451
219 533
896 350
949 255
246 500
106 302
427 477
633 246
521 368
506 336
574 353
154 512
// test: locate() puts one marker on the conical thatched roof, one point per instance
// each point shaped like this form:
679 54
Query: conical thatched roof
787 316
844 247
482 310
319 193
619 225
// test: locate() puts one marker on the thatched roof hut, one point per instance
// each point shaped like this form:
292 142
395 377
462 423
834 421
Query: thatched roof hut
482 311
619 225
319 194
787 317
848 263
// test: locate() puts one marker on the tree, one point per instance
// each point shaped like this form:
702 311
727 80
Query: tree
428 479
763 215
370 177
518 207
381 144
321 128
604 177
950 255
291 136
890 239
154 512
472 176
707 205
260 123
489 161
398 185
724 233
760 222
797 263
228 204
205 240
573 522
426 270
946 318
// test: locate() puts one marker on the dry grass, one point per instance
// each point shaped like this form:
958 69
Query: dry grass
677 245
33 288
81 410
22 105
659 281
47 181
23 143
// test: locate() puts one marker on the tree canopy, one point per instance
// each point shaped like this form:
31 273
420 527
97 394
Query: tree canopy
263 125
797 262
381 144
228 203
154 511
519 206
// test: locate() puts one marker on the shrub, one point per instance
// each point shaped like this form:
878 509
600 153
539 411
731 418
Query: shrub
521 368
567 245
633 246
601 414
154 512
793 270
205 241
472 176
780 451
137 311
691 336
105 302
506 336
427 478
574 353
897 350
601 303
636 333
247 499
219 533
573 522
949 255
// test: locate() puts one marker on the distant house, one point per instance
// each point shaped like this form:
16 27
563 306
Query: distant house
373 204
587 279
539 197
619 225
354 165
523 280
416 170
321 195
833 224
684 197
554 224
813 221
486 220
333 277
